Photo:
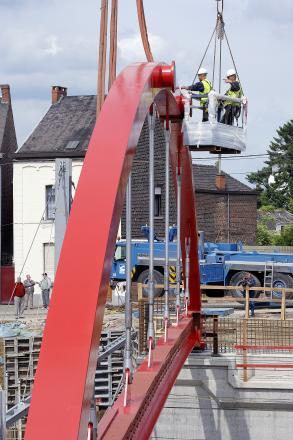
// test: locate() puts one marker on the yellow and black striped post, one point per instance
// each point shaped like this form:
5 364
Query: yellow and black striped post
172 274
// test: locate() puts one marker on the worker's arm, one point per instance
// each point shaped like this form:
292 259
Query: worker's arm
235 86
197 87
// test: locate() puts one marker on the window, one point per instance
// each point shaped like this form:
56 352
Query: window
50 202
158 201
49 259
71 145
120 253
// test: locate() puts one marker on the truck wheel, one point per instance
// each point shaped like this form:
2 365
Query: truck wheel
158 279
282 280
236 280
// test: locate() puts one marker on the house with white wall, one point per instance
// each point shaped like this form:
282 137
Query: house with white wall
64 132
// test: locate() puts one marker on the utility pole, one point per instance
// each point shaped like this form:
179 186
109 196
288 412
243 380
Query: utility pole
63 183
3 415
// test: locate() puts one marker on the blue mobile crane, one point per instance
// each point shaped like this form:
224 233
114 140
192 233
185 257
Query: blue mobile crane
220 264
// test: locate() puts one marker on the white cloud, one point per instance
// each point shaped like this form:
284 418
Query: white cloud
260 33
53 46
131 48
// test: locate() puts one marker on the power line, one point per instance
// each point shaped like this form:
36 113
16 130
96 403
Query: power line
243 157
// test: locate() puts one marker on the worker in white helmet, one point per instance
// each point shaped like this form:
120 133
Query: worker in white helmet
202 87
232 109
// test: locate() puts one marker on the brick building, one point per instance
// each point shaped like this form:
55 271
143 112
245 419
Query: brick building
8 145
226 208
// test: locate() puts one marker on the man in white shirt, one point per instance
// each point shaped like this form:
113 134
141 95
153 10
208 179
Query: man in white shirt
45 285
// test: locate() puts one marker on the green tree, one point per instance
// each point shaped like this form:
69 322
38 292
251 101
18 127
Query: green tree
264 237
285 238
280 165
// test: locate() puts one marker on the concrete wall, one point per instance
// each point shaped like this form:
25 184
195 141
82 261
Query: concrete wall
210 401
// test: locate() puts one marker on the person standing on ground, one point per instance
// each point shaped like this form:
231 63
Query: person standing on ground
232 109
45 285
19 293
249 281
202 87
29 292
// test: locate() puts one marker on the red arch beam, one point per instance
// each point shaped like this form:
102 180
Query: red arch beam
65 376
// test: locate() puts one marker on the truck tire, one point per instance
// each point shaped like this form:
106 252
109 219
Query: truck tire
143 278
281 280
236 280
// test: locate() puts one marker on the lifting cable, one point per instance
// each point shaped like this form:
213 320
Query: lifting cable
113 44
102 55
219 34
204 55
144 31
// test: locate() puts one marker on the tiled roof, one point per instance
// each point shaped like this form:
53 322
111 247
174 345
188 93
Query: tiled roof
204 177
66 127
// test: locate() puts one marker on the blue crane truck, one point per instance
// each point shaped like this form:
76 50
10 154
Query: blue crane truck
223 264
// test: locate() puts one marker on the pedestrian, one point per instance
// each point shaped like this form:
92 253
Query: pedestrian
249 281
19 293
29 292
202 87
232 109
45 285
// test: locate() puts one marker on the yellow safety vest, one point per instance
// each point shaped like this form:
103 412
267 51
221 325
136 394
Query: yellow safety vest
207 88
233 95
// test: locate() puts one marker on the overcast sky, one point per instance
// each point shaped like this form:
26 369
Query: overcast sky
50 42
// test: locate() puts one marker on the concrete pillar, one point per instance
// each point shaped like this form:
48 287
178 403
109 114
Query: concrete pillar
63 181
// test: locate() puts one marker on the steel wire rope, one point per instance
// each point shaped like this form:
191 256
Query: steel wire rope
220 65
202 60
214 60
61 175
215 32
32 242
233 60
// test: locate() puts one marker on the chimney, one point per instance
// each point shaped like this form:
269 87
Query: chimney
221 182
5 91
57 93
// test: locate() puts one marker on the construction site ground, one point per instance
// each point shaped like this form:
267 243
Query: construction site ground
114 315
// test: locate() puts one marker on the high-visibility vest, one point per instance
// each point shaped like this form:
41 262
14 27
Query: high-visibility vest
233 95
207 88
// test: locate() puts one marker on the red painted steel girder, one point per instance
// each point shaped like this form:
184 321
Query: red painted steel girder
64 380
150 388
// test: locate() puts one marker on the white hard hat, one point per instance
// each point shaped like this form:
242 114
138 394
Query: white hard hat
231 72
202 71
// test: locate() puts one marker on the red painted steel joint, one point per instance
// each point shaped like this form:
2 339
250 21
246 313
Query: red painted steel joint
164 76
181 102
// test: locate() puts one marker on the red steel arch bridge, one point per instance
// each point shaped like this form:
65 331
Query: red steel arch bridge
64 382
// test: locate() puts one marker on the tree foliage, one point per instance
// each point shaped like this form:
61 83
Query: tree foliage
280 165
265 237
285 238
